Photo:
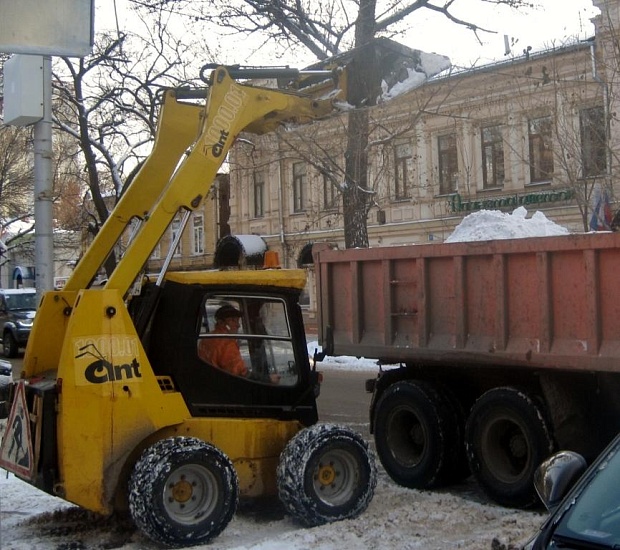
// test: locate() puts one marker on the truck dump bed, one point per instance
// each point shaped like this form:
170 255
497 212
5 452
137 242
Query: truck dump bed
550 302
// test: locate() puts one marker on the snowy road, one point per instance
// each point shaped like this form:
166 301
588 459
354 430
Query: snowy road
397 518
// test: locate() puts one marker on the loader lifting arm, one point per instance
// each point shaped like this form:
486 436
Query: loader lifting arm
191 143
206 133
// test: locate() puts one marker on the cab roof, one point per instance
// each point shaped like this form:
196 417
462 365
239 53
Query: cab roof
285 278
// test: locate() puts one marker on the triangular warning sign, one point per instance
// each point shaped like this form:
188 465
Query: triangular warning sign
16 453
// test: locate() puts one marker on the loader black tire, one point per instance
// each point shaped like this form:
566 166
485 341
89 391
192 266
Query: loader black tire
506 439
326 473
183 492
418 436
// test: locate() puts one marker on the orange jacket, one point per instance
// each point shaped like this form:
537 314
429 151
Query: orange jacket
222 353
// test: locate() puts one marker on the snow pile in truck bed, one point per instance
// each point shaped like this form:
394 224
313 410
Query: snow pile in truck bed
488 225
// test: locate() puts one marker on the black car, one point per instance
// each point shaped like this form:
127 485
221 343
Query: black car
584 504
17 309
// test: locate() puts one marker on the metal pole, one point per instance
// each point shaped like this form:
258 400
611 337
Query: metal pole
44 236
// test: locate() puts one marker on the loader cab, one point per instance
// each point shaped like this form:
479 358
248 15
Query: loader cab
277 382
261 334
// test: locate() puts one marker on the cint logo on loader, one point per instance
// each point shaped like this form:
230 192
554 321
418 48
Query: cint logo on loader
101 370
219 131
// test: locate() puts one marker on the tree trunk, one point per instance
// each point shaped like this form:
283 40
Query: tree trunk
355 196
362 91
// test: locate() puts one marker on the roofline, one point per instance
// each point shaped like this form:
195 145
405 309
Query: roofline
457 72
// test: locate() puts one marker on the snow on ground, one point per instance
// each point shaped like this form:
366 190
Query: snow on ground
397 518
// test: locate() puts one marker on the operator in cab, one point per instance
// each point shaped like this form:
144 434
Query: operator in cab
224 353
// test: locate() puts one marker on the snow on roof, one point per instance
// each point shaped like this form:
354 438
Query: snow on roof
488 225
252 245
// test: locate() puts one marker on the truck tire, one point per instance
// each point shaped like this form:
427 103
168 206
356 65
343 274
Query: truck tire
506 439
326 473
416 435
183 491
9 345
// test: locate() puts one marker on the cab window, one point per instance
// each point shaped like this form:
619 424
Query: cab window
257 331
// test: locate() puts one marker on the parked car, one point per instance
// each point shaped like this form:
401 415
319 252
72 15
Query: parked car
6 377
584 504
17 309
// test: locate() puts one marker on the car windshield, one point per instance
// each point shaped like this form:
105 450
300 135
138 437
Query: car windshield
594 515
21 301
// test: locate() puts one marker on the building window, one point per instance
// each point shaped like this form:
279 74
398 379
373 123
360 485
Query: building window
299 187
330 193
259 195
593 141
492 157
402 164
541 149
199 234
156 254
448 164
174 231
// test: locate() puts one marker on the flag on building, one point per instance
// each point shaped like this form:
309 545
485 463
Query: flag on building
601 214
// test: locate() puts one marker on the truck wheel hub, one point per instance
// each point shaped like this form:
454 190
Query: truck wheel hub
518 446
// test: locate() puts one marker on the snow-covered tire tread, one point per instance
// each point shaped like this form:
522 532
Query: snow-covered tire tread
326 473
214 495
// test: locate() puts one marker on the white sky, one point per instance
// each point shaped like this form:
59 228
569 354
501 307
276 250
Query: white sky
552 22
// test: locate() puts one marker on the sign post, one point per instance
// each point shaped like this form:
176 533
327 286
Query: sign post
54 27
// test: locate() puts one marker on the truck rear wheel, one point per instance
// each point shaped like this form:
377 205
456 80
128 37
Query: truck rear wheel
506 438
326 473
417 435
183 491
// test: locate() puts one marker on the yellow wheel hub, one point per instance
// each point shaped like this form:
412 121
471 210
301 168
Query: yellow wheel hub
327 474
182 491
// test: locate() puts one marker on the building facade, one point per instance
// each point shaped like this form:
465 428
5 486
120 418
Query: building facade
539 131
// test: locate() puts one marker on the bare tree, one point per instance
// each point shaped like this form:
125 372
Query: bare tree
568 126
16 175
108 103
327 28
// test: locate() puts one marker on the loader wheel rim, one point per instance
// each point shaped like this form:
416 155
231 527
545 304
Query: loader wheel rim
190 493
335 477
327 474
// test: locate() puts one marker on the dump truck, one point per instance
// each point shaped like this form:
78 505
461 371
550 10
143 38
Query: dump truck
117 411
492 354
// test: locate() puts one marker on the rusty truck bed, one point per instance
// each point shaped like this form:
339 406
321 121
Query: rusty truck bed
551 302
